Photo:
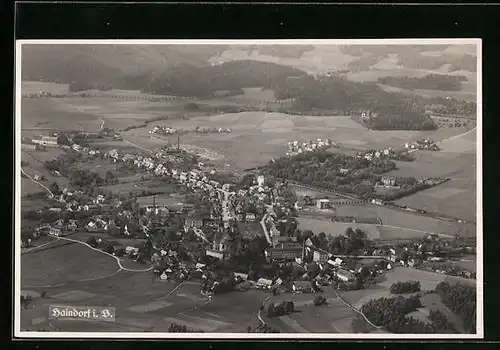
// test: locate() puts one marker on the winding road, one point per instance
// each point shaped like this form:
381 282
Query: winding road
51 195
359 312
118 260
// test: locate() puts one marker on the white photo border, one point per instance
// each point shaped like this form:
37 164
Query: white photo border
18 333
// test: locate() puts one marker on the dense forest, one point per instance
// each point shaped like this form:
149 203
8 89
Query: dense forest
405 287
461 299
322 169
430 82
392 314
187 80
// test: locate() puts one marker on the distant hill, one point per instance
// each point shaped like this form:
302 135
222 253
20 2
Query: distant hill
108 64
206 80
321 59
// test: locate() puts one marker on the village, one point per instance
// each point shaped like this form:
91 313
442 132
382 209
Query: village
208 242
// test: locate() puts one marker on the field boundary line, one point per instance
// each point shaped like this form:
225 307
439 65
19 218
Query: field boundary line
29 250
51 195
108 254
357 311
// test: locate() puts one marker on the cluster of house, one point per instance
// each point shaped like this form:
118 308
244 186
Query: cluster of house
418 254
78 201
368 115
357 219
423 144
373 155
296 147
212 130
86 150
388 182
163 130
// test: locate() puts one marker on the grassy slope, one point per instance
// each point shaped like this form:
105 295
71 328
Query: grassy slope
66 63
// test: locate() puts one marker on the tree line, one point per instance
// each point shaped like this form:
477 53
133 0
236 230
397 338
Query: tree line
405 287
440 82
461 299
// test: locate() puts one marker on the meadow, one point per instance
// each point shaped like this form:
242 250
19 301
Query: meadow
64 263
456 161
428 281
35 165
261 136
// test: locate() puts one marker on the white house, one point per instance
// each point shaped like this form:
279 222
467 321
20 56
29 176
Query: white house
344 275
264 283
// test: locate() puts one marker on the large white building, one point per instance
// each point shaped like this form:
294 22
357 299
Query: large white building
46 141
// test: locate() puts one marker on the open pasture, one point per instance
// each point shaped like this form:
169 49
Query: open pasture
55 113
336 228
149 304
36 160
456 197
262 136
432 301
30 187
465 94
98 165
35 87
406 223
63 264
168 199
335 317
253 95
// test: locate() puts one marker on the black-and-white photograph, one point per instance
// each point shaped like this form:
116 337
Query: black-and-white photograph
248 188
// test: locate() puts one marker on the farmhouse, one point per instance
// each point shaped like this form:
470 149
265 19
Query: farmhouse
132 250
214 254
264 283
344 276
242 276
46 141
250 217
301 286
72 225
55 232
323 204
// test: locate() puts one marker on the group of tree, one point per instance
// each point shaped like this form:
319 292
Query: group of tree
405 287
351 243
105 246
85 178
319 300
208 81
265 328
182 328
81 85
440 82
26 301
401 192
62 163
391 313
322 169
440 322
284 308
401 120
461 299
